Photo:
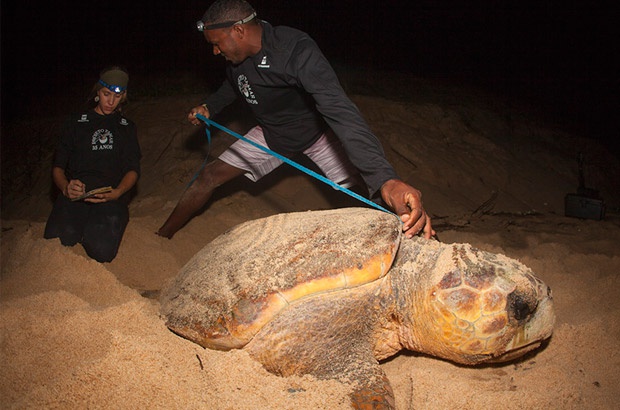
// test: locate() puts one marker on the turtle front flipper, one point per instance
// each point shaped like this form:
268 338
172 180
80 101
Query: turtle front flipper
372 390
330 336
350 362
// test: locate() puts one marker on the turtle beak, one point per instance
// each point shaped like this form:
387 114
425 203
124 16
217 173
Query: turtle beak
515 354
536 324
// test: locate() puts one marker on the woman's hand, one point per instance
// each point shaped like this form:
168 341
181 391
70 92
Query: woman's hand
74 188
113 195
128 181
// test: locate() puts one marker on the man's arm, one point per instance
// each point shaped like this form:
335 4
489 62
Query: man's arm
364 149
318 78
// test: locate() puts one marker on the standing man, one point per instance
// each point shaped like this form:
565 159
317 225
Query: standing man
298 102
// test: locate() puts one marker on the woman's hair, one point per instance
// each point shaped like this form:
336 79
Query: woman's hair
120 77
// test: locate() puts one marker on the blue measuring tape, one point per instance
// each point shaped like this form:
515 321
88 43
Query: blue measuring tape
308 171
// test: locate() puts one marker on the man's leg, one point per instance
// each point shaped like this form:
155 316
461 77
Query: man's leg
329 155
196 195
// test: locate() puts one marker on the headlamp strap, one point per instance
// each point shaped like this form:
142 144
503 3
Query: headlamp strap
201 25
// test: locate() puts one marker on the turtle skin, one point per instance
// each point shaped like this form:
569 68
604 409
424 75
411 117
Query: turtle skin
331 293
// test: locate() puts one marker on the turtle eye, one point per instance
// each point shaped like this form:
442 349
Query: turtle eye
519 306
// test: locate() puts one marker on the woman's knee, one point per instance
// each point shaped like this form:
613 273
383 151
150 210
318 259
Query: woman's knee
101 251
101 242
103 234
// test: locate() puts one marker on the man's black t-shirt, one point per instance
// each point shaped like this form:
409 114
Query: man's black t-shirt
295 95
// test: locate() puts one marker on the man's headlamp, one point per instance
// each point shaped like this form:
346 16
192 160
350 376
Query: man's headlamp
200 25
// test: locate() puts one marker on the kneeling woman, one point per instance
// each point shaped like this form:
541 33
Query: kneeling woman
98 151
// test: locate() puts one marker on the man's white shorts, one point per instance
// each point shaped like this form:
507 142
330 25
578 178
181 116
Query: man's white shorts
327 153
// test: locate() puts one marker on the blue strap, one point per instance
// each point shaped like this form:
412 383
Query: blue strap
290 162
204 163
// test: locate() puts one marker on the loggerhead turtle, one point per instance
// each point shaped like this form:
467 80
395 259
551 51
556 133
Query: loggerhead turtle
330 293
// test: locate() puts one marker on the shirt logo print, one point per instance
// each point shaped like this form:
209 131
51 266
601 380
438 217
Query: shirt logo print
246 89
102 140
264 63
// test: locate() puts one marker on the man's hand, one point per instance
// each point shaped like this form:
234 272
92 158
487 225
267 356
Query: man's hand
202 110
406 201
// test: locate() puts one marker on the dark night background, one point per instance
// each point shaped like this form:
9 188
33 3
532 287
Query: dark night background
559 56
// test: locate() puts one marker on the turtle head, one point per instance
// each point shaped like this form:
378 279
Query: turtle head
474 306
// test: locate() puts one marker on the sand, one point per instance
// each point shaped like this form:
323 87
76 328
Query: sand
75 333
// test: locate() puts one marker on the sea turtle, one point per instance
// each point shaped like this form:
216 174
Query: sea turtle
330 293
